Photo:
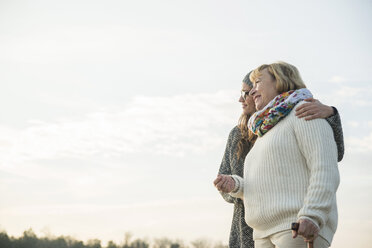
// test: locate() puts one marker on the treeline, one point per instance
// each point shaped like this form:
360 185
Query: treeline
30 240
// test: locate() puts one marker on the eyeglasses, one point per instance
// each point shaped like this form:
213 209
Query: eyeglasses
244 94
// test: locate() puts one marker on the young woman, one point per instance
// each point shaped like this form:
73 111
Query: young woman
239 143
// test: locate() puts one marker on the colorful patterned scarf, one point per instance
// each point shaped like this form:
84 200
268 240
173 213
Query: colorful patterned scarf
278 108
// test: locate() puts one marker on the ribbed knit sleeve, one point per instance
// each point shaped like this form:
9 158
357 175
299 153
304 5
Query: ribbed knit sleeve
316 143
335 122
239 185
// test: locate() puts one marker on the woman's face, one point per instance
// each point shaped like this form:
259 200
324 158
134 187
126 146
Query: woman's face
264 90
247 103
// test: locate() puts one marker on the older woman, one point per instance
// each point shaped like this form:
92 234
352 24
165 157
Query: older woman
291 172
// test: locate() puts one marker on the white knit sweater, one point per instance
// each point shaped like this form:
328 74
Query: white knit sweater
290 173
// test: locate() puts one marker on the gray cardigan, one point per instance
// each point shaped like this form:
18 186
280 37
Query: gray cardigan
241 233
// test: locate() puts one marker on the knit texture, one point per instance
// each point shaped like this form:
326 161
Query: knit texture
291 172
335 122
240 234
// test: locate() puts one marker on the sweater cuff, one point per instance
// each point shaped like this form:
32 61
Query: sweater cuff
236 186
333 118
238 189
335 112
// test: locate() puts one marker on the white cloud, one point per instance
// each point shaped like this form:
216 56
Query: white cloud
337 79
353 124
363 103
348 92
175 126
359 144
356 96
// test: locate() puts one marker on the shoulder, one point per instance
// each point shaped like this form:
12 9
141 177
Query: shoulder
292 114
310 125
235 132
298 105
234 136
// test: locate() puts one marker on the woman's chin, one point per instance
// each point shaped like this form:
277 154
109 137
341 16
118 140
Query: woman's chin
259 107
258 104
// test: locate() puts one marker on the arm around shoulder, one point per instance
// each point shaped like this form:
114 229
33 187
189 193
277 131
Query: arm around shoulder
335 122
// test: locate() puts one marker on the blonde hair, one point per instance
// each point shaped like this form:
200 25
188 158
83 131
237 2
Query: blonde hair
287 76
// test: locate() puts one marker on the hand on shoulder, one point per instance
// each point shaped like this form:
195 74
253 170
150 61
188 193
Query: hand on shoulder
314 109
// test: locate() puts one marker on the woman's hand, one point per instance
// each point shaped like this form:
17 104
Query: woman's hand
313 109
306 229
224 183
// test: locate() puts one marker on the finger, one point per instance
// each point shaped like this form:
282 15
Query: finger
219 184
310 110
299 108
309 107
311 230
228 184
217 180
306 104
310 99
232 185
301 228
224 180
304 107
294 234
303 114
224 184
306 114
219 176
307 229
307 233
311 117
313 233
228 187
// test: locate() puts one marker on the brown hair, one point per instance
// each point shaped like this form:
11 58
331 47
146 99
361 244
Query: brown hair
247 137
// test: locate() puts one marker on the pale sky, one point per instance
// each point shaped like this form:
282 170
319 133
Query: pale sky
115 114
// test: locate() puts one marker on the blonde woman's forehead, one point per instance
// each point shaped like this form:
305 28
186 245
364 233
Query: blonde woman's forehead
257 75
